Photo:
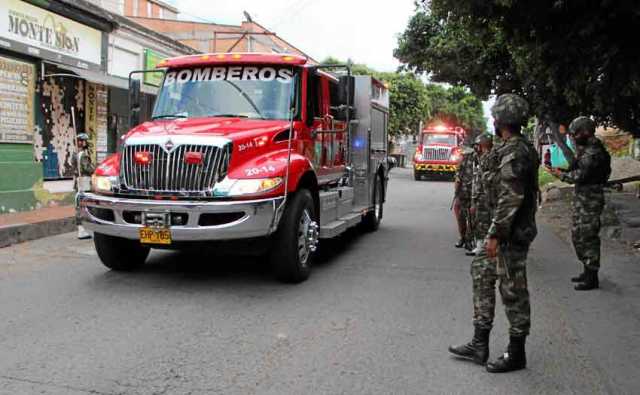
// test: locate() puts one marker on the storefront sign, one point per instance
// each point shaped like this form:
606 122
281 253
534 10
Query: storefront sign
38 32
102 110
17 92
96 120
151 60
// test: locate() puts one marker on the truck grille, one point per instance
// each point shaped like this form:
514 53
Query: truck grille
168 171
436 153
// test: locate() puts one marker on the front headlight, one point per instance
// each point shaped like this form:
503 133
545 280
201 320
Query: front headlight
103 184
230 187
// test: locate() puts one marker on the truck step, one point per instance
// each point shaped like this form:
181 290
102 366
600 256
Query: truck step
332 229
335 228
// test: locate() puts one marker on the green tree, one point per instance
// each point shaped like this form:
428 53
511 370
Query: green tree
566 57
412 101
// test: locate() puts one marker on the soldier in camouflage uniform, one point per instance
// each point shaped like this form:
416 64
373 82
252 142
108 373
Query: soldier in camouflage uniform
483 268
82 167
589 172
462 204
509 236
480 213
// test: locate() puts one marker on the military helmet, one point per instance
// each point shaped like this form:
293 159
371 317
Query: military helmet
582 123
510 109
83 136
483 138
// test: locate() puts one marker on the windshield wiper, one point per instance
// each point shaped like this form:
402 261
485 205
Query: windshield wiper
179 115
229 115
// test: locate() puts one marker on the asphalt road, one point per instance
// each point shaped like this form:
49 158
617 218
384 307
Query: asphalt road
375 317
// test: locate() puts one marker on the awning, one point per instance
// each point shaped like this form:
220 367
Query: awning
100 78
90 75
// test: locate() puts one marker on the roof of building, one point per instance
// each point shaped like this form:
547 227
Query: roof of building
223 28
117 21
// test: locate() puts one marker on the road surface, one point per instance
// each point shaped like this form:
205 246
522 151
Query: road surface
375 317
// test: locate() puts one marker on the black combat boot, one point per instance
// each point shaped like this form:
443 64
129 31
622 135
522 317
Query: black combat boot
590 281
477 350
460 243
580 278
514 358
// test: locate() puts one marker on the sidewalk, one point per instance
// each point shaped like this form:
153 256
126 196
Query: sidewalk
31 225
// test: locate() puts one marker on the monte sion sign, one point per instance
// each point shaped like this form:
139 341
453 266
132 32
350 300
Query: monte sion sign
37 32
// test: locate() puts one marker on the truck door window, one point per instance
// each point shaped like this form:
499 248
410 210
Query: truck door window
313 98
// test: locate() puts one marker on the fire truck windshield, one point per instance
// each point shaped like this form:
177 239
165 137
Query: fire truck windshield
232 91
439 138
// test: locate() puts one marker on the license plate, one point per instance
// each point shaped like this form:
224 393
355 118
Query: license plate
155 236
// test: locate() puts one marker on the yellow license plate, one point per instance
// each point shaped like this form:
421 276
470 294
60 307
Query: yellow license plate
155 236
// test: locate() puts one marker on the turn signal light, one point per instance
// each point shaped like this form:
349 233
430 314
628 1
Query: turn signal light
142 158
193 158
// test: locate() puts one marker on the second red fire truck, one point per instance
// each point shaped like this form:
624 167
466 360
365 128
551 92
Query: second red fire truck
438 152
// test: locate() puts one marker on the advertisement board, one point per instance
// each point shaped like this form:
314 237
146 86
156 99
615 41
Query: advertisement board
17 92
37 32
151 59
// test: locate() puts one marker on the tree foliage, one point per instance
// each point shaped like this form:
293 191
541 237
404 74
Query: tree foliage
567 58
413 102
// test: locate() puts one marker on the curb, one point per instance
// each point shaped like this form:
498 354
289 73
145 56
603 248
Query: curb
18 233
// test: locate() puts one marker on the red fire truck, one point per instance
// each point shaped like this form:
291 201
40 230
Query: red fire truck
438 152
264 152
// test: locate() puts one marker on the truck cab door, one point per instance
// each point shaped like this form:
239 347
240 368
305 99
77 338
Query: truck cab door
321 125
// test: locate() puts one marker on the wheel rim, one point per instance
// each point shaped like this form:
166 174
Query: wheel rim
307 237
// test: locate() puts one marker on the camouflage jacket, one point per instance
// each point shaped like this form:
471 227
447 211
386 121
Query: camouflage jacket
592 165
464 176
483 176
478 193
86 164
516 184
490 168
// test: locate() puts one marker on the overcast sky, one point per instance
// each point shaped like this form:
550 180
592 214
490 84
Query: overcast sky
362 30
356 29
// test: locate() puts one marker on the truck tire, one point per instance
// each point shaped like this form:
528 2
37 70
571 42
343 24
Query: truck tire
371 221
120 254
417 176
296 239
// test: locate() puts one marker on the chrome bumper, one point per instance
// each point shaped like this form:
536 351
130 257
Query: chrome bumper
259 217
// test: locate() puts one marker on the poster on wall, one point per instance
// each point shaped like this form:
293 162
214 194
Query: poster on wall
96 120
17 91
102 111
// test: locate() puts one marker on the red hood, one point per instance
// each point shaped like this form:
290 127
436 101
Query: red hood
232 128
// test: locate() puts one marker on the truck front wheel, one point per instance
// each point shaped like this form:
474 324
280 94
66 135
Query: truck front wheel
120 254
371 221
296 239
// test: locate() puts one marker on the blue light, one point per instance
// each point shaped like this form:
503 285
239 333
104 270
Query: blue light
358 142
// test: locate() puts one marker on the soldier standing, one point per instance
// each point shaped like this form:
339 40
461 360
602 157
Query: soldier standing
510 234
589 172
83 169
479 211
462 203
483 268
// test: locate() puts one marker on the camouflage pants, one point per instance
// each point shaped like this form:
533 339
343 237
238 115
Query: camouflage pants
461 209
511 275
481 223
585 232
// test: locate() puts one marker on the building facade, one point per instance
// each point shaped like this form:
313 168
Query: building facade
64 69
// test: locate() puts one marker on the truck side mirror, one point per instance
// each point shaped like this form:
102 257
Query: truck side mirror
134 102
